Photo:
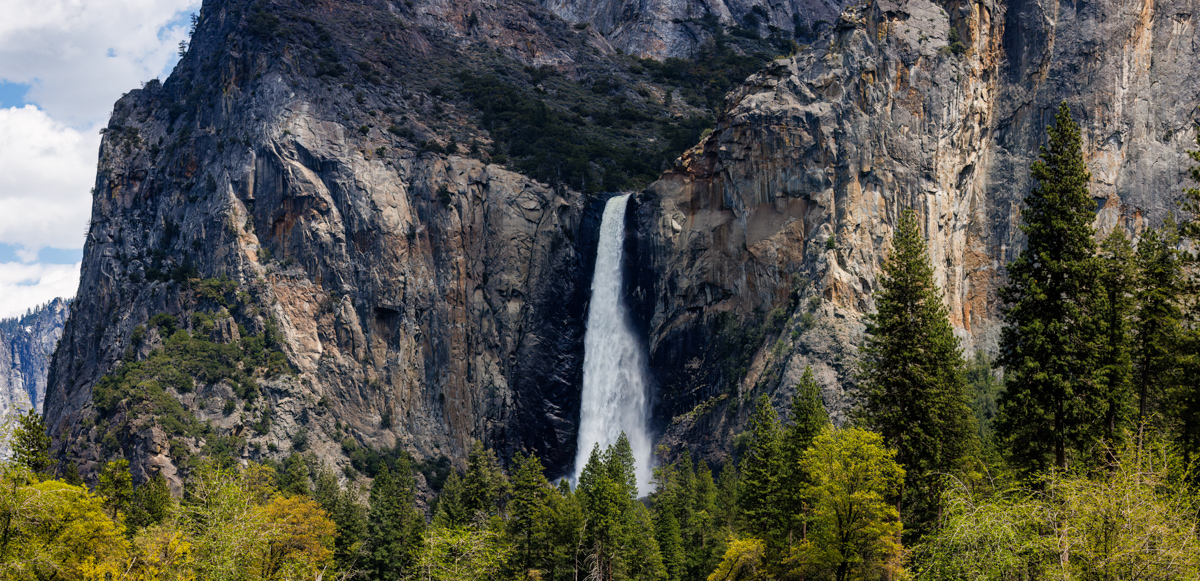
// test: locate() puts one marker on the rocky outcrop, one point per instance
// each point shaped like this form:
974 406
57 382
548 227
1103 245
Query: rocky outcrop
940 107
423 299
676 28
26 346
313 156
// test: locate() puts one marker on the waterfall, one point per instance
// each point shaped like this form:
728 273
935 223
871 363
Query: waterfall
614 365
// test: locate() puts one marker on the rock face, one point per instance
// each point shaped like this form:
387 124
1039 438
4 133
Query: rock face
425 298
676 28
26 346
940 107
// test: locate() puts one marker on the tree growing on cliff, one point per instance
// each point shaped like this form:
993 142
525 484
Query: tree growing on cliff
1051 331
914 374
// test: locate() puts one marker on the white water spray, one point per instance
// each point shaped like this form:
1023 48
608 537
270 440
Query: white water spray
614 367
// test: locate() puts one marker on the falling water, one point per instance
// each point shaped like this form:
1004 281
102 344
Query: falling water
614 367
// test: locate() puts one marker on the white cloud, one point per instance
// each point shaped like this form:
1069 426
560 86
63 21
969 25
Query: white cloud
46 173
79 57
27 285
63 48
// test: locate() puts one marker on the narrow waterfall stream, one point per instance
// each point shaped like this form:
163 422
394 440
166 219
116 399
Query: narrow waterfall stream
614 366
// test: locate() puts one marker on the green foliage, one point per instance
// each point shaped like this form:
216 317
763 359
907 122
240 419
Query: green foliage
808 420
718 68
151 503
585 149
855 527
618 540
484 485
1052 404
150 388
527 510
1118 280
462 554
30 443
985 390
116 487
913 373
394 527
52 530
1134 519
1158 321
763 469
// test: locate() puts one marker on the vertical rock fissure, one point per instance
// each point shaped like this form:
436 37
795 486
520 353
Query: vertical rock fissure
614 396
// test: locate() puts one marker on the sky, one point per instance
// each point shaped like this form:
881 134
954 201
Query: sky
63 63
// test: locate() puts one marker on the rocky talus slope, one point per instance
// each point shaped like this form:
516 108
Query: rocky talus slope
780 218
26 346
376 220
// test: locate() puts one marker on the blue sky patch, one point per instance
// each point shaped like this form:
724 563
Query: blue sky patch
8 253
13 94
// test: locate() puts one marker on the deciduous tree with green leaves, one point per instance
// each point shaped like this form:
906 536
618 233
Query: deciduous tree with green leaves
855 532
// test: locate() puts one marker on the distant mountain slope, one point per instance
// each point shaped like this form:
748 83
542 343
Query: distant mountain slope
26 346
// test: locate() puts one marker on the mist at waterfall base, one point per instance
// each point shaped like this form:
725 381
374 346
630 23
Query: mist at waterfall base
614 364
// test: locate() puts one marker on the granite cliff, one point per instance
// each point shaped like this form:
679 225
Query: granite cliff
26 346
781 217
393 206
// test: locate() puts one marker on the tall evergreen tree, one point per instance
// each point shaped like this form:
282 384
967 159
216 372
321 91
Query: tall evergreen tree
30 444
394 526
1050 334
115 484
528 507
619 540
808 420
1118 278
761 499
484 483
1159 315
151 502
914 375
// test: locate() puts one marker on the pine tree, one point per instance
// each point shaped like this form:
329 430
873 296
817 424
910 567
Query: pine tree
1159 315
450 511
1184 415
116 486
30 444
913 374
809 419
1118 278
394 526
761 499
293 479
347 513
484 483
528 507
1050 331
151 502
729 493
704 535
